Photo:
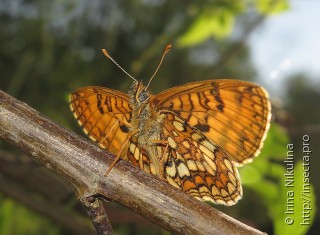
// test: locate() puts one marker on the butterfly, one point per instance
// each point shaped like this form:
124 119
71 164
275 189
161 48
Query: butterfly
193 136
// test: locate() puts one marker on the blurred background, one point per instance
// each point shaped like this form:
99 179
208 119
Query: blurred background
49 48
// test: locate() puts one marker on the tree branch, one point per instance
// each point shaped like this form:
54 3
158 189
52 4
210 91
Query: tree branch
83 164
98 213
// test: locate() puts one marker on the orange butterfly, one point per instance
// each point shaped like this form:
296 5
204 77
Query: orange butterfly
194 136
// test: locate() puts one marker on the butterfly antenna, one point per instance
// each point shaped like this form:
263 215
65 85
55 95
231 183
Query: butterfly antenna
104 51
165 51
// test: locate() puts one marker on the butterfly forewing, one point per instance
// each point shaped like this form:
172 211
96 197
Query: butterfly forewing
103 114
233 114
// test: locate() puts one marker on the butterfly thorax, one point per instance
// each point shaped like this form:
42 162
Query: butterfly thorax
145 126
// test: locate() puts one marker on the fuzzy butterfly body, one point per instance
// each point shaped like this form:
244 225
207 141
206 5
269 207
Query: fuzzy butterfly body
193 136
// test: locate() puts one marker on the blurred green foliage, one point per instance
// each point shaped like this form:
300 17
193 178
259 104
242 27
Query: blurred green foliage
50 48
15 219
210 22
277 6
266 176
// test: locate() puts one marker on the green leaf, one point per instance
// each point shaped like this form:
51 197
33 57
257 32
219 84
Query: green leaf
272 6
275 146
210 23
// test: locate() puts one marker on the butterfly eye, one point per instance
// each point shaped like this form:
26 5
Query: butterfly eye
143 96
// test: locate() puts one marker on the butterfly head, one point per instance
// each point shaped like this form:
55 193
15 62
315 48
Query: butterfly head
140 95
139 98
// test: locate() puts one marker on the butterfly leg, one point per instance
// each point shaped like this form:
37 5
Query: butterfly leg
111 129
163 153
106 135
162 142
117 158
119 154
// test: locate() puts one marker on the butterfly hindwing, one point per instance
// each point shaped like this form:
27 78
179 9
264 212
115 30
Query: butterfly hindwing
197 165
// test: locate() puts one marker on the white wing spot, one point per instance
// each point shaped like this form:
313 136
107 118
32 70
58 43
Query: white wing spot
204 189
231 188
152 169
207 152
132 148
90 136
228 164
171 170
209 145
172 143
192 165
102 146
75 115
195 136
85 130
136 154
224 193
183 170
175 133
208 168
212 165
170 180
200 166
186 144
178 125
179 155
214 190
161 117
232 178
